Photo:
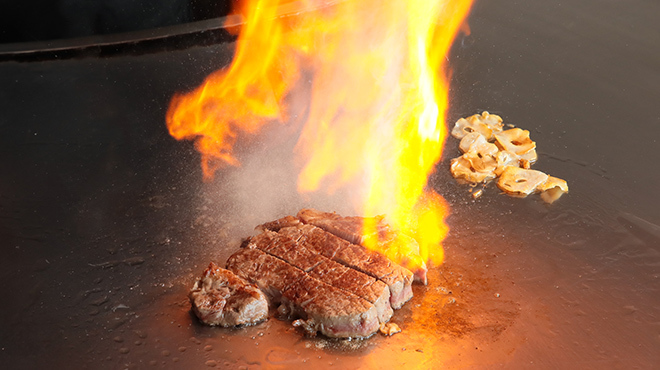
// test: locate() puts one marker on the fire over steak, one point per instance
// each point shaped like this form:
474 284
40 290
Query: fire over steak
351 230
221 298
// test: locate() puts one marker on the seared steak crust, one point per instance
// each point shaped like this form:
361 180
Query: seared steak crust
270 274
322 307
221 298
326 270
286 221
351 229
397 278
331 311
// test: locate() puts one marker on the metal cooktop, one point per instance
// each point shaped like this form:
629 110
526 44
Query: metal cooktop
105 221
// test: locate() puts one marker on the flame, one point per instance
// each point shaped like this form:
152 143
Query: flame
378 102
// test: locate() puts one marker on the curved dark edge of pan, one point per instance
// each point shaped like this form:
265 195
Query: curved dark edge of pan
202 33
179 37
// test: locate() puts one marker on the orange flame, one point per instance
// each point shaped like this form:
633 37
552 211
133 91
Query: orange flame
379 98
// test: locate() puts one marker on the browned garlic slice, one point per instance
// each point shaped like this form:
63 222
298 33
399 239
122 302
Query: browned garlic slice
515 140
505 158
552 189
462 170
471 139
520 181
389 328
482 157
509 158
466 126
528 159
485 124
493 121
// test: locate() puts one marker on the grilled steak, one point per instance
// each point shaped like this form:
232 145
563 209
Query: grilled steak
272 275
276 225
321 307
326 270
390 242
221 298
397 278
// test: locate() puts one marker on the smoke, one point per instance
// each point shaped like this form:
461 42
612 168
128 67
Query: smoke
265 185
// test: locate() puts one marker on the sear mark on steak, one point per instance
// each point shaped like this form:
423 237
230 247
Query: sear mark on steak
270 274
392 242
330 311
221 298
326 270
321 307
286 249
397 278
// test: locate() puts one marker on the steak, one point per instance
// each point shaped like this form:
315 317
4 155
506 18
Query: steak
321 307
321 268
395 244
286 221
221 298
397 278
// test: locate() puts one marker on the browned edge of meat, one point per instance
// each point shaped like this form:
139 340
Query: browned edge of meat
221 298
286 221
326 270
351 230
397 278
360 284
331 311
321 307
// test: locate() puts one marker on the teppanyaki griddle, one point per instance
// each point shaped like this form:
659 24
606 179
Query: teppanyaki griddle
105 221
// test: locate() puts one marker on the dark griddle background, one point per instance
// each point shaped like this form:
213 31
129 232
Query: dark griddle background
104 219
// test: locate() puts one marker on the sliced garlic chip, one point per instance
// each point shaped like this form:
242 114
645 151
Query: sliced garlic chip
482 157
519 181
471 139
552 189
465 126
528 159
462 169
515 140
493 121
505 158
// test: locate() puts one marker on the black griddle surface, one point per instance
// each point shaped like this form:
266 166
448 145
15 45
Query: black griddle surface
105 221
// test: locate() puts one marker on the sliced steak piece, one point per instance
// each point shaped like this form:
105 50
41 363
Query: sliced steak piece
321 307
330 311
326 270
221 298
286 221
372 290
270 274
387 241
286 249
397 278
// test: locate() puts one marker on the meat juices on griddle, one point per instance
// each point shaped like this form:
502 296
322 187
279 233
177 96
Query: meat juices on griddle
326 270
397 278
351 229
323 308
221 298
